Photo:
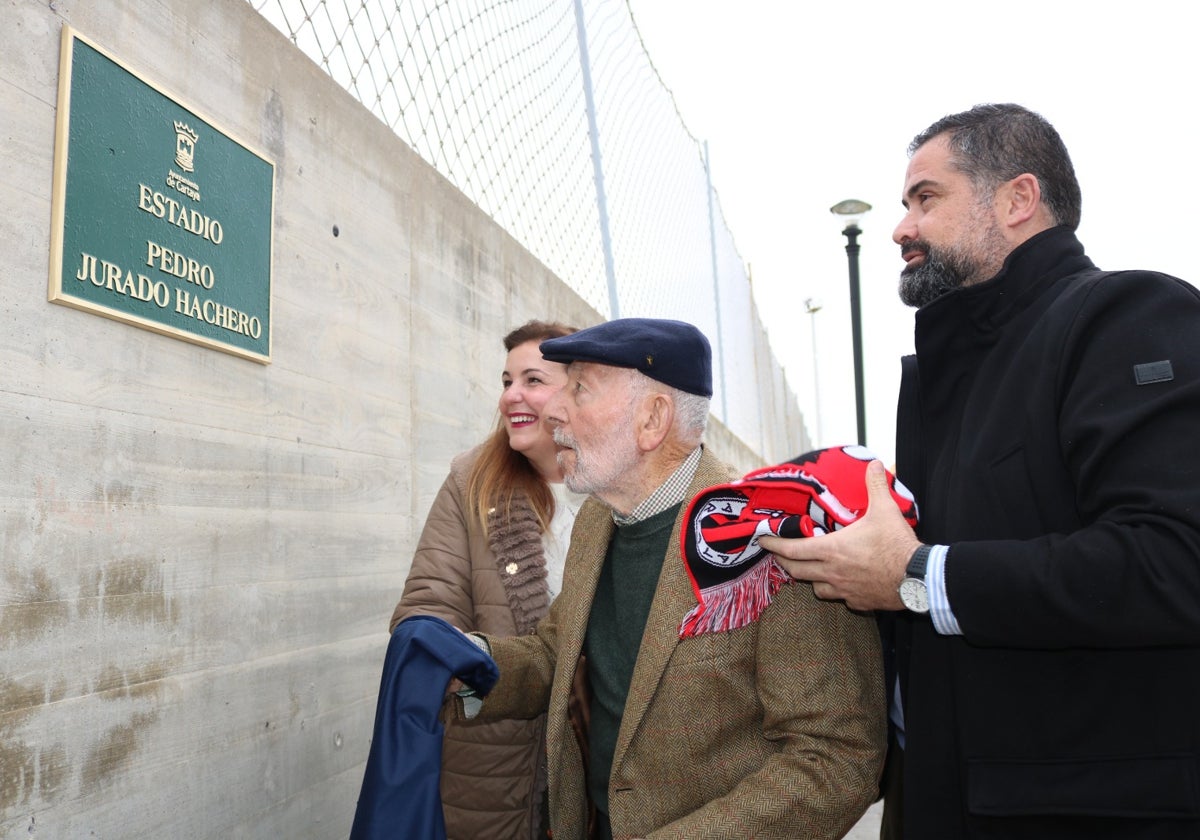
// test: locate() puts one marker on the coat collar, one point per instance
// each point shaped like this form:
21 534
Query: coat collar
961 321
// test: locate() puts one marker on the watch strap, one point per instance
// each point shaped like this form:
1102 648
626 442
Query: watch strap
918 562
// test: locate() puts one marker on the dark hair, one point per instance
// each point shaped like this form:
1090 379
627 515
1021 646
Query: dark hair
500 473
991 144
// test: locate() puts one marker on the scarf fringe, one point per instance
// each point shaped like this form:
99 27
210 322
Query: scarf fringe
736 603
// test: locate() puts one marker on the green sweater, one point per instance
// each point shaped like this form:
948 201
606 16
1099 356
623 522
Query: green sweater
614 635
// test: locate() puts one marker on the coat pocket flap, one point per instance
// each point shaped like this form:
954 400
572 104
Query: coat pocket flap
1163 786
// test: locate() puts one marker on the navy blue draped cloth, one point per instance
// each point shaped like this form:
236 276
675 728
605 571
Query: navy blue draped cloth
400 797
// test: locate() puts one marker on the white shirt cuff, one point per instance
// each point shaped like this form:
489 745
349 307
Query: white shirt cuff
471 701
939 602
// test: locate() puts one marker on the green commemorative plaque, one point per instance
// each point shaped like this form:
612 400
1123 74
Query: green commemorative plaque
159 218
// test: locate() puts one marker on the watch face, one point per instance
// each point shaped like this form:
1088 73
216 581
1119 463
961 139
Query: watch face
914 595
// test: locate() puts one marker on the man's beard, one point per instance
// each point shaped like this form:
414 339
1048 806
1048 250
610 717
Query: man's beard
974 259
940 272
605 464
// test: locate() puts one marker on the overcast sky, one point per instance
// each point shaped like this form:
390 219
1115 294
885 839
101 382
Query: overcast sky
807 103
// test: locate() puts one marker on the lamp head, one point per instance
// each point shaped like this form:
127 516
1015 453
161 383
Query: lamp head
851 211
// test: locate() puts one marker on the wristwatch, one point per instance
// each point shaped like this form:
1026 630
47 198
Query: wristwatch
913 592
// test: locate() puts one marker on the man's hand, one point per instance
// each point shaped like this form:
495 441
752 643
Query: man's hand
862 563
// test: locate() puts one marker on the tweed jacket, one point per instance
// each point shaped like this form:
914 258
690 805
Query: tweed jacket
493 775
775 730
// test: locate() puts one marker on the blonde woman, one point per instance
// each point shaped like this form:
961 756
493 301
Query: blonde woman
490 559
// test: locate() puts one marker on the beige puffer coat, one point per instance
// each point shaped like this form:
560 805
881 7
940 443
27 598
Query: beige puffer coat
493 775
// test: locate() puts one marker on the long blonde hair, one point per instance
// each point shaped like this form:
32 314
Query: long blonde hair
500 473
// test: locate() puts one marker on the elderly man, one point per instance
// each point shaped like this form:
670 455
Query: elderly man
1047 624
772 730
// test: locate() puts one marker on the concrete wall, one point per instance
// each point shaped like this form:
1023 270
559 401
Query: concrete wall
198 553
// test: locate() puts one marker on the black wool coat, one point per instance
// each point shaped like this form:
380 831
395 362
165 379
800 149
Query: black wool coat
1050 430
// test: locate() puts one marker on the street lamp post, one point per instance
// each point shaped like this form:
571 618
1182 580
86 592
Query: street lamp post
812 307
851 210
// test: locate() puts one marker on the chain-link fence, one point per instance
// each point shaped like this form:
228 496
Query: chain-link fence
550 116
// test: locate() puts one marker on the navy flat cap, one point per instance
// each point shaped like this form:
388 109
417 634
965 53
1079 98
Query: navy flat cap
672 352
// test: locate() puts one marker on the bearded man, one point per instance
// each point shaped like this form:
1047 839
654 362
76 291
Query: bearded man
1046 614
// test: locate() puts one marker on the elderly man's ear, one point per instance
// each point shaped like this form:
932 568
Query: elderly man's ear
654 421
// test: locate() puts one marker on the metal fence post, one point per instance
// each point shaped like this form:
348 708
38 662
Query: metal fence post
716 277
597 167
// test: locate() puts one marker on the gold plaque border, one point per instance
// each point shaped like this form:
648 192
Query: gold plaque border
55 293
